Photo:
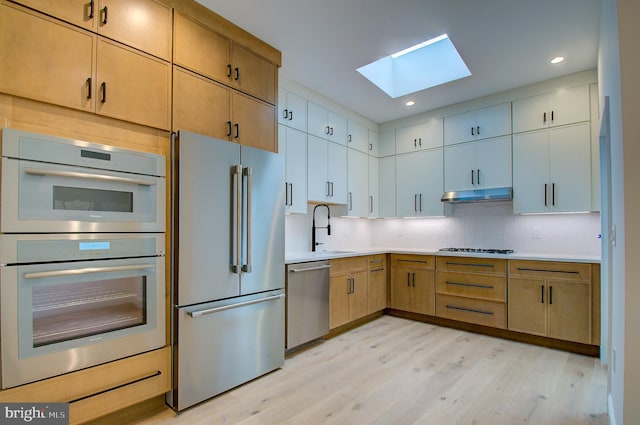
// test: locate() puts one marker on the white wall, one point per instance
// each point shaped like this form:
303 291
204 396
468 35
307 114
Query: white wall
486 225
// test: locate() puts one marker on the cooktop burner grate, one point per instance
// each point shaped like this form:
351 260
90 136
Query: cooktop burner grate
478 250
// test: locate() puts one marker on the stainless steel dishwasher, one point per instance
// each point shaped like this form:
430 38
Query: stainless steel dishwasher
307 302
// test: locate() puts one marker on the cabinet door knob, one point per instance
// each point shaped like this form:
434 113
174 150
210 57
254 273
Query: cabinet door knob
290 116
545 194
542 294
89 88
544 118
472 133
105 11
237 127
103 89
285 114
91 10
237 74
228 128
478 175
229 70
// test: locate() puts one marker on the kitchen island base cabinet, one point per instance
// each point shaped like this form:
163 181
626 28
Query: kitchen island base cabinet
412 283
377 283
551 299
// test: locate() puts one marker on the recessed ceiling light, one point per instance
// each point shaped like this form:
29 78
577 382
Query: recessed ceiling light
557 59
424 65
410 102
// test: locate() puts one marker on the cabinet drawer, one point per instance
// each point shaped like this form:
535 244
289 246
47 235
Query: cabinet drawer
378 261
347 265
472 285
550 270
413 261
480 312
472 264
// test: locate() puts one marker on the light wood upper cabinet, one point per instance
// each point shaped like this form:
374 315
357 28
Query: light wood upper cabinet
201 49
200 105
142 24
46 60
551 110
254 122
132 85
78 12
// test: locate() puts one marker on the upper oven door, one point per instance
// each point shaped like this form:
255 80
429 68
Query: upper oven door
45 197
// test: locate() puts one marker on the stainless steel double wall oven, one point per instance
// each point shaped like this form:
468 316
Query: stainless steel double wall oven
82 255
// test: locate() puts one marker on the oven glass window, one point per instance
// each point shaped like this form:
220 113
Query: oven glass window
78 198
75 310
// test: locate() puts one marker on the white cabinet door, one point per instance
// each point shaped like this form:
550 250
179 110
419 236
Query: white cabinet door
531 172
552 170
387 143
387 186
294 145
478 165
374 143
357 183
374 187
318 186
326 171
358 137
570 168
326 124
425 135
484 123
419 184
550 110
292 110
337 172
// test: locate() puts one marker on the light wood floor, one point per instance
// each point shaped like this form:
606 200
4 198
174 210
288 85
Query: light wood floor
396 371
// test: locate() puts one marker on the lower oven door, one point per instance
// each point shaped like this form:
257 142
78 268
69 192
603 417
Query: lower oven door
61 317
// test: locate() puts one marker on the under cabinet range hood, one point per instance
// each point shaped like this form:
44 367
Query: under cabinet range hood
479 195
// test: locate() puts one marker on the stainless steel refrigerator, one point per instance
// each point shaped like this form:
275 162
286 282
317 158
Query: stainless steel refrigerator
228 266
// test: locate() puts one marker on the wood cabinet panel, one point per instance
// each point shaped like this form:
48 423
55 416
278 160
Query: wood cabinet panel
200 49
470 310
77 12
133 86
412 290
527 307
200 105
142 24
472 285
472 264
253 74
254 122
413 261
349 264
569 311
377 289
550 269
338 301
348 290
46 60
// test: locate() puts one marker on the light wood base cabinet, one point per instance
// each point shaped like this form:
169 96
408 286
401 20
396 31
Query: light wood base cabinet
412 283
377 283
552 299
347 290
103 389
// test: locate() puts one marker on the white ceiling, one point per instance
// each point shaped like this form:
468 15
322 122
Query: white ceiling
505 43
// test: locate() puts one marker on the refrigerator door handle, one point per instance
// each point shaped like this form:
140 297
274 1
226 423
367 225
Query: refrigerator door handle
199 313
247 172
236 202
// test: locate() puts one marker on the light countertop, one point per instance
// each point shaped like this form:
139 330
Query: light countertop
305 256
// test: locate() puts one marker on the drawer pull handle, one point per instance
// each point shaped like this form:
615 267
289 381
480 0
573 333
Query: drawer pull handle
474 285
471 310
523 269
412 261
469 264
381 269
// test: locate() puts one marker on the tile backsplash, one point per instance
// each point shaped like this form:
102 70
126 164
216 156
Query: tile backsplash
482 225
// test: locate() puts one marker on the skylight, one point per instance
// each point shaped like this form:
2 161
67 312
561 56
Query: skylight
428 64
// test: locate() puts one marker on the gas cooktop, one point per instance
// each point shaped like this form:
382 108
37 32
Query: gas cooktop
478 250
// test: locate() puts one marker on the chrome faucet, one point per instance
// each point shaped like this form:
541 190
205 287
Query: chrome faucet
313 226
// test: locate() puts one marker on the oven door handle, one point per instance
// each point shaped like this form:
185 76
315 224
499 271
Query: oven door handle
88 270
76 175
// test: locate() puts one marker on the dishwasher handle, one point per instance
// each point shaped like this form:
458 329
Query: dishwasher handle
199 313
292 270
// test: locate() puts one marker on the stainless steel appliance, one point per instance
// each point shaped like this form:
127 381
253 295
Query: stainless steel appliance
307 302
70 301
51 184
228 266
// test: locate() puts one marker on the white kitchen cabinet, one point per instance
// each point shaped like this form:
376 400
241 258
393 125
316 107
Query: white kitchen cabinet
358 137
426 135
419 183
357 183
326 171
294 145
552 170
387 186
387 143
292 110
326 124
478 165
551 110
484 123
374 187
374 143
